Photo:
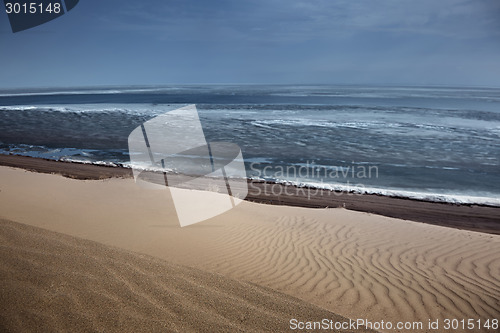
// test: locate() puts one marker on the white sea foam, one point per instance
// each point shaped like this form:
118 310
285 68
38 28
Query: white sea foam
78 156
302 122
149 109
88 92
468 199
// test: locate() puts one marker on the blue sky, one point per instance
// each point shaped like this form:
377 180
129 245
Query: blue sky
120 42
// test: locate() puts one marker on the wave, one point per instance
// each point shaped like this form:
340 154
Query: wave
490 127
487 94
317 123
362 125
135 109
84 157
486 199
109 91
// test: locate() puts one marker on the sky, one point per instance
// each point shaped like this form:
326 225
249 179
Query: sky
164 42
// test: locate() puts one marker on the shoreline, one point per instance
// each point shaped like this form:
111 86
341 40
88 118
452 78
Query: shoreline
353 264
472 217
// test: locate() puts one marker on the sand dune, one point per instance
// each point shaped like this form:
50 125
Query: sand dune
369 266
354 264
54 282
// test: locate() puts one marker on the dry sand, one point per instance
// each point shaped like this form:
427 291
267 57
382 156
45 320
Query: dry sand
355 264
53 282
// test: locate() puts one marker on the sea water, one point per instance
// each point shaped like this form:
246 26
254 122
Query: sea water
431 143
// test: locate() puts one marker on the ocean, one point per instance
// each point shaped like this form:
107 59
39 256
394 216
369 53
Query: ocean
429 143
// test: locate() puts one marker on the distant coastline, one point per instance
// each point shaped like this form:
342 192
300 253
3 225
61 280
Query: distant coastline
480 218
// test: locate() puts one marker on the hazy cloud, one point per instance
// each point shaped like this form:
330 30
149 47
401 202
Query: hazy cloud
268 41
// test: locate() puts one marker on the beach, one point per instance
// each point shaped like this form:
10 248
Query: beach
250 166
481 218
330 261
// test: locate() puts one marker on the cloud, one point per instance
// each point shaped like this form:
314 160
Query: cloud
288 20
268 41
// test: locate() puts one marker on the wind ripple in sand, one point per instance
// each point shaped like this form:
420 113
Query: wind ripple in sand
372 266
355 264
53 282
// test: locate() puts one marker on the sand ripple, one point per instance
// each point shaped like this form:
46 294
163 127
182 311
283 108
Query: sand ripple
367 265
52 282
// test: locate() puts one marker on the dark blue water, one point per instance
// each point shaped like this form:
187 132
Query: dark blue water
424 142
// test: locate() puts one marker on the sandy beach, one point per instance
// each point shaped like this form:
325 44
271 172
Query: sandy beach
250 166
479 218
306 262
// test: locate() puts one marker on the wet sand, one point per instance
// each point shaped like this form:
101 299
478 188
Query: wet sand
468 217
